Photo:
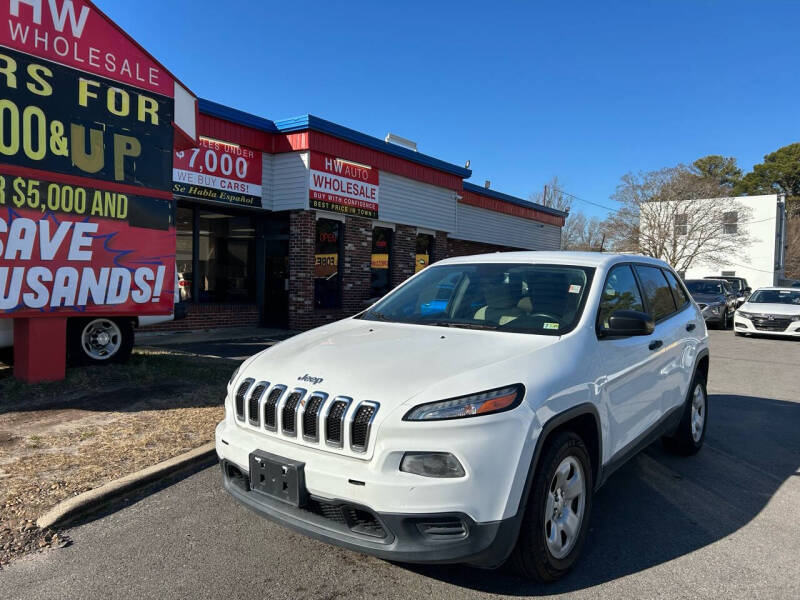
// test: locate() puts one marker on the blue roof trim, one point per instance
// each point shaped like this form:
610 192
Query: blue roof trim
221 111
362 139
304 122
476 189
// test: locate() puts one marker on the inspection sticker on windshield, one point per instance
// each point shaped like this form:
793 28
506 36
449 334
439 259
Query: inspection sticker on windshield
574 289
551 326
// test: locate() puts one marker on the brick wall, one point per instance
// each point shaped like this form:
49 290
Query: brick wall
465 248
440 246
404 253
354 270
212 316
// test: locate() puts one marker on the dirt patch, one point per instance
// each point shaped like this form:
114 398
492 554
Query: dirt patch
59 440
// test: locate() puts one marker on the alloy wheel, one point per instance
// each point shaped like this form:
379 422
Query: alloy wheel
698 417
101 339
565 507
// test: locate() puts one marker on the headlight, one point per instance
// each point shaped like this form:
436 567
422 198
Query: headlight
795 318
432 464
483 403
744 315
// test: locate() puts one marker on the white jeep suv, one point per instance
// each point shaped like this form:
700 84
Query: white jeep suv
470 414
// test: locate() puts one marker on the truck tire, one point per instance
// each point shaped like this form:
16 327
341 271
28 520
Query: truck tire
691 432
557 514
99 341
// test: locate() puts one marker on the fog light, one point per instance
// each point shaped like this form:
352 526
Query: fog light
432 464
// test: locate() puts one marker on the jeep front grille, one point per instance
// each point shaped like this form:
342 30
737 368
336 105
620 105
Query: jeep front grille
255 400
334 421
271 408
289 413
241 392
362 423
313 417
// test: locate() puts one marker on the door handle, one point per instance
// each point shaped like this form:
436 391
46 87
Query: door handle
655 344
690 327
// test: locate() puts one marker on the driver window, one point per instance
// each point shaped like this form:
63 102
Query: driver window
619 293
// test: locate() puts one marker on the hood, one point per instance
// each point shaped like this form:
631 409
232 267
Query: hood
708 298
763 308
392 363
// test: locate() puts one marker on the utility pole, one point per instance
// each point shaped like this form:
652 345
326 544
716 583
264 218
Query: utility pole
603 243
544 195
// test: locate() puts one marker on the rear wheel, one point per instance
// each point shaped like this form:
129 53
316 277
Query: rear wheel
99 341
691 432
557 514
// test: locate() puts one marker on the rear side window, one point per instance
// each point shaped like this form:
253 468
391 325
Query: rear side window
655 288
677 289
619 293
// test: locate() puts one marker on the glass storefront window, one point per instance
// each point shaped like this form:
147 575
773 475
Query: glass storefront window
381 256
184 225
424 255
226 258
327 255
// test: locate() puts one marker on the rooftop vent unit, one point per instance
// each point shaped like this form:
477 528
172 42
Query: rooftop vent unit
400 141
487 184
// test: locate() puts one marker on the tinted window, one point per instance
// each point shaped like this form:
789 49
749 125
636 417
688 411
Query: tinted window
677 289
381 256
619 293
775 297
656 290
327 255
699 286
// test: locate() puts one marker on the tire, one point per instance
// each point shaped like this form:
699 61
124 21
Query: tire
534 557
691 432
99 341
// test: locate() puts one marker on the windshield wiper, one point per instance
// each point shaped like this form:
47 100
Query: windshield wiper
462 325
379 315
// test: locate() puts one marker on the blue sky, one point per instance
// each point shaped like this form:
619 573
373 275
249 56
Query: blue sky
525 90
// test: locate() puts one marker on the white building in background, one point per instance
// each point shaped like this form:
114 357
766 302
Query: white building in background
762 261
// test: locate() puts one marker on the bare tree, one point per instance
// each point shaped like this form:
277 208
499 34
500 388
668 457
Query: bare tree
681 218
582 233
552 196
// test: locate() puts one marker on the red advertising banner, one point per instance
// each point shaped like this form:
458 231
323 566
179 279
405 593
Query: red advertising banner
342 186
87 131
219 171
76 34
70 249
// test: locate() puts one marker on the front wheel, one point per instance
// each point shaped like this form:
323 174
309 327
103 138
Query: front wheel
691 432
99 341
557 514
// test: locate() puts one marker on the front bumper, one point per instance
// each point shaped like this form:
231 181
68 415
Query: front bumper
712 317
413 538
744 325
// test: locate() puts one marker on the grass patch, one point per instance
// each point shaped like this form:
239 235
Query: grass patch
101 423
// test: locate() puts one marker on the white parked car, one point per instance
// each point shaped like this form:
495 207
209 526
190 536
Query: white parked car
470 414
770 310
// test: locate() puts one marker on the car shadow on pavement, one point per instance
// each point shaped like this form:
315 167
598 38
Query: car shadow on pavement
660 507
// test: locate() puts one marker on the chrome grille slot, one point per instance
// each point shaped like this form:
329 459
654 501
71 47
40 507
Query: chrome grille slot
310 416
361 425
334 421
271 408
241 392
253 404
289 412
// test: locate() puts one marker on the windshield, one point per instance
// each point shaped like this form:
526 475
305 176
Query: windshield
775 297
520 298
698 286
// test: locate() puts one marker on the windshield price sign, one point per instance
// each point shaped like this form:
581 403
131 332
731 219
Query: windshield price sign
219 171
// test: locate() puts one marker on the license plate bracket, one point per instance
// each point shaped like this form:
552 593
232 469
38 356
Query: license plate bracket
278 477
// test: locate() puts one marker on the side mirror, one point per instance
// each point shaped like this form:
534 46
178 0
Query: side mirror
748 290
624 323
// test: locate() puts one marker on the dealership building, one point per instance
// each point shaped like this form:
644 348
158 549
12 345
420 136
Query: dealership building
300 222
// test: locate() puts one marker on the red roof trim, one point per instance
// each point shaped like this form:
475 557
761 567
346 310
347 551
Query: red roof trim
495 205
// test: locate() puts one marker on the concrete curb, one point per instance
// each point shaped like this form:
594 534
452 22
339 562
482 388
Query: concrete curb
88 502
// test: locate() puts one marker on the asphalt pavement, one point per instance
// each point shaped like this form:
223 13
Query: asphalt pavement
722 524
